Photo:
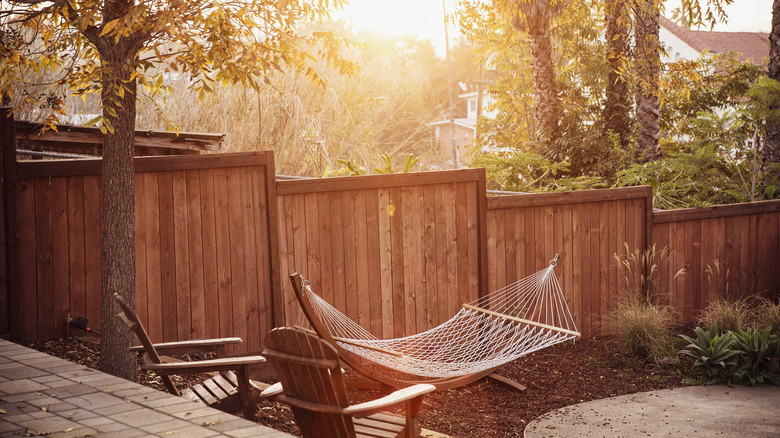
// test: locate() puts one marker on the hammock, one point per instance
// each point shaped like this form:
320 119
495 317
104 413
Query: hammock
486 333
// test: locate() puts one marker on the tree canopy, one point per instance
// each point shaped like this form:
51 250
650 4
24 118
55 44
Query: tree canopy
50 48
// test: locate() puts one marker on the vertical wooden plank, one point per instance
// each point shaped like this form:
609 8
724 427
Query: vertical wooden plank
492 241
441 253
249 214
580 277
315 241
604 262
731 254
386 209
60 267
696 267
429 239
223 242
466 257
540 253
509 259
264 269
28 275
195 233
141 293
374 263
409 237
43 259
208 239
745 280
76 259
567 279
706 255
362 265
477 235
397 263
326 237
687 292
92 243
680 244
595 279
287 258
238 290
421 304
168 286
613 248
180 256
452 252
156 312
337 248
350 237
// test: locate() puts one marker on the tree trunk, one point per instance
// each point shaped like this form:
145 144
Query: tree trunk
648 64
770 153
118 214
617 110
546 93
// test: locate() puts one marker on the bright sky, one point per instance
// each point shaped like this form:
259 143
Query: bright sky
424 18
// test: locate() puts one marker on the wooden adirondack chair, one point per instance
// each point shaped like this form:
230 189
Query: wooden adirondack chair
311 382
229 390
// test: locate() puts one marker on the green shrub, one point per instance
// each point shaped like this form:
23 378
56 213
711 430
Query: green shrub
756 351
712 353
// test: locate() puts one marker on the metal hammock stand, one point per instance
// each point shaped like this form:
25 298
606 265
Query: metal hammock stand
486 333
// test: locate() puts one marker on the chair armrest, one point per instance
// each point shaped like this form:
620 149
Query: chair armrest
191 346
273 390
202 366
393 399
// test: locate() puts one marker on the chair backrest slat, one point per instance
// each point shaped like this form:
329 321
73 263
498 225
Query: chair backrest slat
305 377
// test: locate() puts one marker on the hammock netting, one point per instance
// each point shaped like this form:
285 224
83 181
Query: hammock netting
490 331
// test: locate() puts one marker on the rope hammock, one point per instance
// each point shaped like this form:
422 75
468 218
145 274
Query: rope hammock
490 331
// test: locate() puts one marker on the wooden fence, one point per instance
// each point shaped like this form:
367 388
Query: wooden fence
725 249
205 246
216 237
585 228
398 254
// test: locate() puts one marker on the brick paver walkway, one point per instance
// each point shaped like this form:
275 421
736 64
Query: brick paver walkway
41 395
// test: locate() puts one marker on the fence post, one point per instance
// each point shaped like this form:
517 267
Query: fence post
9 271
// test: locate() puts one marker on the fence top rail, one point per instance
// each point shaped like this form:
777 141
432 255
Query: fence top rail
573 197
93 166
716 211
318 185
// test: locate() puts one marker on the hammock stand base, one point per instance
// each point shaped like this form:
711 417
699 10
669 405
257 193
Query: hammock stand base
386 382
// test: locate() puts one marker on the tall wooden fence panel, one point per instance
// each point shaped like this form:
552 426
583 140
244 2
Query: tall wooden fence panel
205 245
587 229
725 249
398 254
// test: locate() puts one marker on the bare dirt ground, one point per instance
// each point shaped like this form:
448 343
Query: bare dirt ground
556 377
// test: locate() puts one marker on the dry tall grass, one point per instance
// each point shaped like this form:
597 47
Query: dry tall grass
732 310
644 324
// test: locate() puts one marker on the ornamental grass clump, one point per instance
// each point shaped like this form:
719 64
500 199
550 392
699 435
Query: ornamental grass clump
767 315
643 322
731 311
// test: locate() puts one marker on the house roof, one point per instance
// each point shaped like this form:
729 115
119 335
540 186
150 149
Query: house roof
749 45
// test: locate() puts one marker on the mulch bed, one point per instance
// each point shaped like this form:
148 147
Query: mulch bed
555 377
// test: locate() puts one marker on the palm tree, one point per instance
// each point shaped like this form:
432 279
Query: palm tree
534 18
771 150
648 64
617 109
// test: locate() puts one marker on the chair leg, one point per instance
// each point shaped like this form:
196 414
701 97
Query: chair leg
248 404
413 408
